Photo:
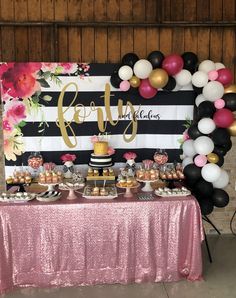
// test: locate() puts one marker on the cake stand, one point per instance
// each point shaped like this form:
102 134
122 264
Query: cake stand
147 187
50 186
72 188
128 192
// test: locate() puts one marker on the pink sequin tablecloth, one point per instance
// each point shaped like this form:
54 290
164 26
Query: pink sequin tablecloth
84 242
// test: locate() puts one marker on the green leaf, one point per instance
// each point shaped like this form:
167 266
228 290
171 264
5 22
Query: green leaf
47 98
22 123
43 83
46 75
40 73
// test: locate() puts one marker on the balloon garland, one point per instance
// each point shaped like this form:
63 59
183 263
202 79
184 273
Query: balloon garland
208 137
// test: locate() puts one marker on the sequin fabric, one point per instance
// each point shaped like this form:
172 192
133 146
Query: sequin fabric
83 242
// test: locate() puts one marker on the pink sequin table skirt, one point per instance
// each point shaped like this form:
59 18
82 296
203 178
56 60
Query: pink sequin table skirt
83 242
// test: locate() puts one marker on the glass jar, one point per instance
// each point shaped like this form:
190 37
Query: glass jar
160 157
35 162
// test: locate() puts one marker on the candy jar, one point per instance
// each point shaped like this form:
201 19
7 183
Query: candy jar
35 162
160 157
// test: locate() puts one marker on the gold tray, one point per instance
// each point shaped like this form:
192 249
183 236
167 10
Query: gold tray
101 178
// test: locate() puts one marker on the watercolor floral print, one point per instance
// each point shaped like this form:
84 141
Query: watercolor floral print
20 86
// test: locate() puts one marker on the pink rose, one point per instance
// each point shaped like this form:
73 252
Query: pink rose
185 135
68 157
15 111
19 81
6 125
111 151
94 139
129 155
49 67
68 67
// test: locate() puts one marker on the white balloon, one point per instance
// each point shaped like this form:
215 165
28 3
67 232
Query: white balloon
211 172
177 87
206 66
199 79
125 72
187 161
213 90
219 65
188 148
206 125
203 145
142 68
222 181
200 98
183 77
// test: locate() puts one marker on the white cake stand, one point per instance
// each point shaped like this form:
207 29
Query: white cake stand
72 195
128 192
147 187
50 186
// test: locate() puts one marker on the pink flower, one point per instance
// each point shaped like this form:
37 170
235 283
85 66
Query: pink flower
129 155
68 157
49 166
49 67
111 151
185 135
19 80
15 111
94 139
68 67
6 125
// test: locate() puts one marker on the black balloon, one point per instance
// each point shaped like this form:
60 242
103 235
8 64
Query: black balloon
206 109
228 145
220 161
156 58
193 132
130 59
219 150
115 80
192 173
220 198
230 101
203 188
206 205
197 90
170 85
220 136
190 61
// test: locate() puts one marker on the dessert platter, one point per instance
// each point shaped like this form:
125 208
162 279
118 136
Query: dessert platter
147 175
50 179
96 192
174 192
19 197
48 196
72 187
128 183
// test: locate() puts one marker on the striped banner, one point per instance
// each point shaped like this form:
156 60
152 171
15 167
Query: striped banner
160 120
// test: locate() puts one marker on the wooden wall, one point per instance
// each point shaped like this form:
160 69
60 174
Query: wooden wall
182 27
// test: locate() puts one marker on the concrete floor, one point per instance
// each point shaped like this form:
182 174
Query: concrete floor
219 281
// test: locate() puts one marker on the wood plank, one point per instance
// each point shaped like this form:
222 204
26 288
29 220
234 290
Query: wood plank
153 40
203 11
127 34
228 59
229 10
178 41
100 8
74 33
87 14
190 40
166 10
203 44
61 14
113 34
166 41
177 10
190 10
140 34
216 38
34 33
152 11
7 33
21 33
216 10
48 47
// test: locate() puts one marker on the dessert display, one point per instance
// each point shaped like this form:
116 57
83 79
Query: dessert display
17 197
128 182
147 174
35 160
160 157
71 187
172 172
100 192
100 174
19 177
48 196
174 192
50 177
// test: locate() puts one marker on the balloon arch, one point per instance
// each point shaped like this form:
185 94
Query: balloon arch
208 137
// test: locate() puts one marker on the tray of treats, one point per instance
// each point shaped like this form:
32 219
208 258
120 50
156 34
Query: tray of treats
71 185
127 182
96 192
174 192
48 196
100 174
19 197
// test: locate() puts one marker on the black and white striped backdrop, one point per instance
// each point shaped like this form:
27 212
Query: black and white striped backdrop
160 120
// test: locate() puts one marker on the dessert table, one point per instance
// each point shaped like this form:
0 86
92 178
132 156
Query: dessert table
87 242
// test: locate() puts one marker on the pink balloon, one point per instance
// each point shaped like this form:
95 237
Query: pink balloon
223 118
219 103
146 90
200 160
173 64
124 85
213 75
225 76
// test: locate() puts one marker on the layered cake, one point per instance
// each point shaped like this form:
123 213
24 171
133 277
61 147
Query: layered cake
100 157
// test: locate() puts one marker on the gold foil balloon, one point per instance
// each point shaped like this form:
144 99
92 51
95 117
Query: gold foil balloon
212 157
134 82
158 78
230 89
232 129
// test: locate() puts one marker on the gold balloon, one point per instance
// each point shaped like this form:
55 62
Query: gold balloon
232 129
134 82
158 78
212 157
230 89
